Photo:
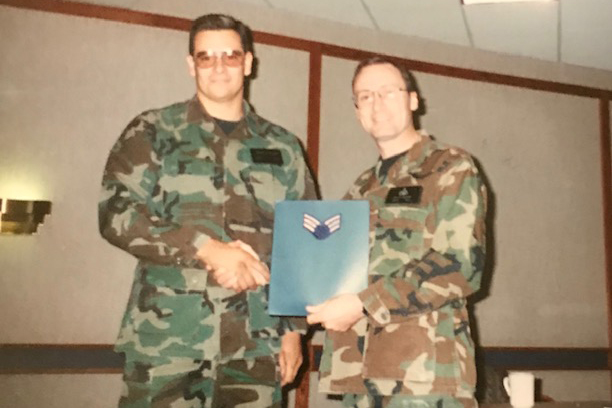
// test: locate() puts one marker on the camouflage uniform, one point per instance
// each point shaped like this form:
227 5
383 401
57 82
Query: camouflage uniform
174 180
413 348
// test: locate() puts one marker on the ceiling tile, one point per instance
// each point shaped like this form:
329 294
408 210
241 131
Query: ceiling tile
439 20
526 29
342 11
586 33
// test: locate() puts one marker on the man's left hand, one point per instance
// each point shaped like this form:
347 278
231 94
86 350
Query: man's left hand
290 358
339 313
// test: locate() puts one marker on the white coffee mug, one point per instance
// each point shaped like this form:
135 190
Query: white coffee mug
520 388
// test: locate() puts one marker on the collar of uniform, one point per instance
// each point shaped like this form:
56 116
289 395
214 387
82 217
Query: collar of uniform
411 160
197 114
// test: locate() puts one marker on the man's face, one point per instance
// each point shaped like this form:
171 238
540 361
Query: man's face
219 65
383 106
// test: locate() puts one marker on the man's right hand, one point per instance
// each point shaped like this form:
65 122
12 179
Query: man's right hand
234 265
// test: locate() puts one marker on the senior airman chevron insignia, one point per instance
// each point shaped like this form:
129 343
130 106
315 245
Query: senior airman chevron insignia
322 230
320 250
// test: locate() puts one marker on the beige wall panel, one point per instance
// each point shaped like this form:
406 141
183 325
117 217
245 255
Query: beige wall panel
68 87
60 391
576 385
345 150
540 153
280 90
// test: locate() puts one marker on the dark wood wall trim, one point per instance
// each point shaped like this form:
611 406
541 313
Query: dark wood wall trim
93 358
175 23
314 109
471 74
59 359
535 358
606 184
281 41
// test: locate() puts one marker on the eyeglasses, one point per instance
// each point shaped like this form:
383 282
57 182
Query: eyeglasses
364 99
208 58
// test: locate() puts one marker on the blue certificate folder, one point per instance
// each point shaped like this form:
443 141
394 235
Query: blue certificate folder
320 250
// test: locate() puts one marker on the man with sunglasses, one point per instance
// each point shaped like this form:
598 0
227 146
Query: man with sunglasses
405 340
189 190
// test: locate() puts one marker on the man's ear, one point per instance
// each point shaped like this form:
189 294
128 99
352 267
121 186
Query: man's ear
414 101
191 65
248 63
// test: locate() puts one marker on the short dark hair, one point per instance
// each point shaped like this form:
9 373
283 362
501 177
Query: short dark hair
377 60
215 22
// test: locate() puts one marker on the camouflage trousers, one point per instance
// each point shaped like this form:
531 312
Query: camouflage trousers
403 401
187 383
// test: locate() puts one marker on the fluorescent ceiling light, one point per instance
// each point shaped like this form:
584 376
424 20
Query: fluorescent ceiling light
469 2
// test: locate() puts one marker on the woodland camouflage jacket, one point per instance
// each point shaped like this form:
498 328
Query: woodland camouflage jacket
173 180
427 238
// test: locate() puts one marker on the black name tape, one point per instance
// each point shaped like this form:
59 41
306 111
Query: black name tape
404 195
267 156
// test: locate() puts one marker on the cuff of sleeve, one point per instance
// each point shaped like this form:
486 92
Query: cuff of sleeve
199 241
302 332
196 243
373 304
293 324
189 242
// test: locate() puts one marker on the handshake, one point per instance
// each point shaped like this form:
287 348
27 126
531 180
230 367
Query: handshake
234 265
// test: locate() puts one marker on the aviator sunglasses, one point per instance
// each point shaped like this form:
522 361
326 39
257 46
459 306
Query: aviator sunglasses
208 58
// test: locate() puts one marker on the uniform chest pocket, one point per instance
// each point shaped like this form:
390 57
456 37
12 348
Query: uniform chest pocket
401 230
187 187
267 184
189 162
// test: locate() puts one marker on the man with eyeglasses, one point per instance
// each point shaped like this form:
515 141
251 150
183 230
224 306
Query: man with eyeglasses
405 340
189 190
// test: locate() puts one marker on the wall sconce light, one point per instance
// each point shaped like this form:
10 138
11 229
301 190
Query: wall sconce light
22 216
